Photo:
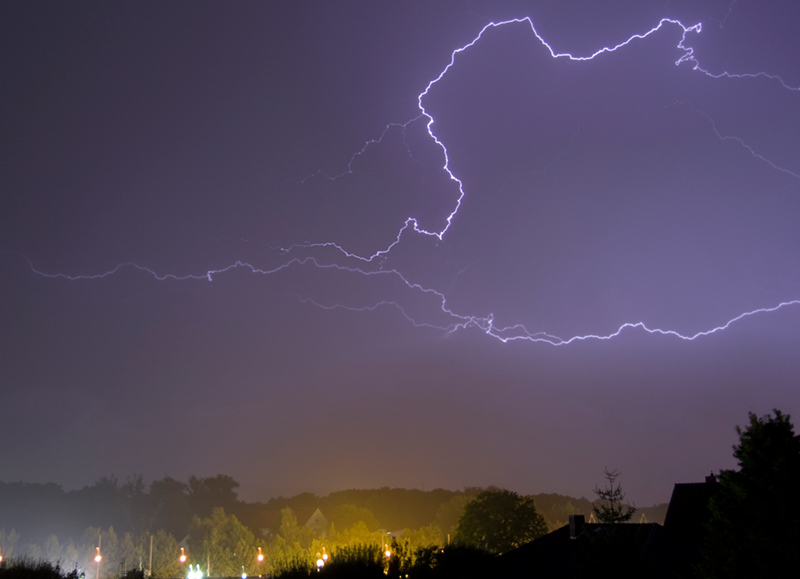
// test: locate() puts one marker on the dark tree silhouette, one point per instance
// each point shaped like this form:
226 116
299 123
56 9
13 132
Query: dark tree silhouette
498 521
31 569
205 494
611 507
754 531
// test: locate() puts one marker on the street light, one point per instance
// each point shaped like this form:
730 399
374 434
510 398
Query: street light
387 553
260 556
182 558
97 559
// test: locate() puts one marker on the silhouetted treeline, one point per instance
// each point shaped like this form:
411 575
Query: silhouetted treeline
37 511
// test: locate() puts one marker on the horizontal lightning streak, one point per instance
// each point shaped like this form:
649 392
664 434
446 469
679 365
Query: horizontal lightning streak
486 324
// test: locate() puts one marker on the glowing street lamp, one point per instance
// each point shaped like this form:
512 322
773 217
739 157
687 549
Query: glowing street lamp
97 559
324 555
182 558
244 575
387 553
260 556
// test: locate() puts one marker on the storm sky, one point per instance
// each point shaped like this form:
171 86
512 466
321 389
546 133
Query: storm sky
315 246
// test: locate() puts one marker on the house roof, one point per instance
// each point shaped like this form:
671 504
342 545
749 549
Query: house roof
558 555
317 521
688 510
661 549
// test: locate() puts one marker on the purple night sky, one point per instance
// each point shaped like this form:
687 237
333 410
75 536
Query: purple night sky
381 329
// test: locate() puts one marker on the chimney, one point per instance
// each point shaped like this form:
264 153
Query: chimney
711 479
576 523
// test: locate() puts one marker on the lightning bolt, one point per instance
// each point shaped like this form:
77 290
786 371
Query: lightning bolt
456 321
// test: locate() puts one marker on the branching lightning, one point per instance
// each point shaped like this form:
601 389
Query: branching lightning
458 321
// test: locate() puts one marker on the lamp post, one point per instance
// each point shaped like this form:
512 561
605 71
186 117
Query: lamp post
182 558
98 557
387 553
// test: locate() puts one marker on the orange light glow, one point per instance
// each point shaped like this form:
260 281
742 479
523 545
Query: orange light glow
182 558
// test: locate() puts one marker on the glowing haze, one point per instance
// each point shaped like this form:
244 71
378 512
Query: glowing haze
399 209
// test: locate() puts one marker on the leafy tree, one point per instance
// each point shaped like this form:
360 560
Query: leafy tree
109 551
358 534
611 509
287 560
292 531
225 542
169 506
70 555
129 552
411 547
753 531
415 540
56 553
52 549
345 516
98 505
559 515
289 552
206 494
498 521
8 542
132 500
165 554
448 514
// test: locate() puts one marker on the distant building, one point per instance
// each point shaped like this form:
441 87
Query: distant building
269 522
318 523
